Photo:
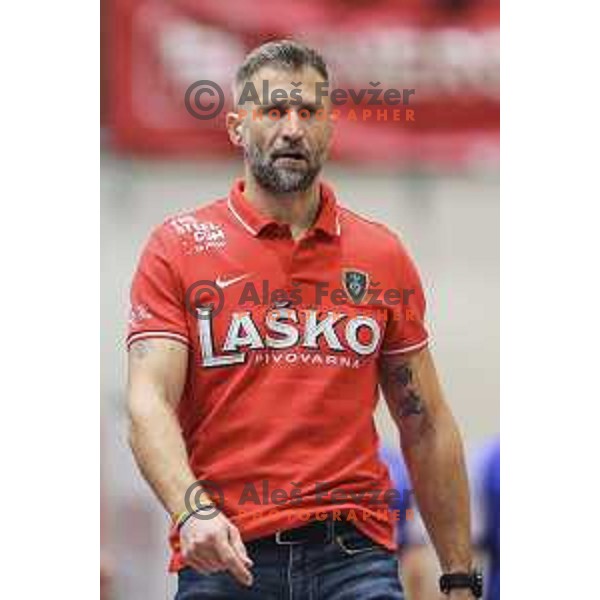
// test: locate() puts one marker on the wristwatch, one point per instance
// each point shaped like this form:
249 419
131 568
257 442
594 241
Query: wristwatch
472 581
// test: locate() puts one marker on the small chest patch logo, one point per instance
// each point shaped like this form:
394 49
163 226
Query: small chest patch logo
356 284
197 237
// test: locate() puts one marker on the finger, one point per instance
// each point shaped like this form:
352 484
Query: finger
206 564
238 545
233 563
210 566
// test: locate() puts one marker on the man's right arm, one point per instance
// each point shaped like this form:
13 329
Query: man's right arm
157 373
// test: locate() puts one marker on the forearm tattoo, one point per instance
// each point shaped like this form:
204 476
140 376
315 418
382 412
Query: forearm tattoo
404 398
411 405
408 400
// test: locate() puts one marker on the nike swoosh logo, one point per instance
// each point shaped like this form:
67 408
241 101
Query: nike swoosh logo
223 283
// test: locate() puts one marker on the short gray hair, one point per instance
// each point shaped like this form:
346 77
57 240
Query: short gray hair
288 55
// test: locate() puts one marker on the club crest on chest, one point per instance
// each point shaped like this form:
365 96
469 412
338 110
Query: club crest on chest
356 284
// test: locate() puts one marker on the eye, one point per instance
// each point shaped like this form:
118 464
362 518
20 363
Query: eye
308 111
275 113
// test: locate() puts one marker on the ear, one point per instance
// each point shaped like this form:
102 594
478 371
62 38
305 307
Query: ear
234 122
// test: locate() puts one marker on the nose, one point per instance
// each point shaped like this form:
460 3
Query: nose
293 127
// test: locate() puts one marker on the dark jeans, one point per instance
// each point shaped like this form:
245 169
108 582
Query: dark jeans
346 566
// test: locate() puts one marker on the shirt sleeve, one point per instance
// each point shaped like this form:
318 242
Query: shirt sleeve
406 330
157 298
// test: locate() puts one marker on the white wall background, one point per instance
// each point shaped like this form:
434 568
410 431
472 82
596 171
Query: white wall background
450 223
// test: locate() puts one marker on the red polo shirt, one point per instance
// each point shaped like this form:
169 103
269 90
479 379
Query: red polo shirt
284 337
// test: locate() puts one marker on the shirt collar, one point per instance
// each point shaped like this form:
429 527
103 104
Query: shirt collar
256 222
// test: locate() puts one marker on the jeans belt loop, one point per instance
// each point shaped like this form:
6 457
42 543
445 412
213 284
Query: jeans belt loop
281 542
330 531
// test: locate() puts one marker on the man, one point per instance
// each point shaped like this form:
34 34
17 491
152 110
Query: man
255 394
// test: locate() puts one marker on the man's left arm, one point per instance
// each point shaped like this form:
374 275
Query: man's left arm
433 453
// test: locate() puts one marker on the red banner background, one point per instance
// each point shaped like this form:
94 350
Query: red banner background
448 51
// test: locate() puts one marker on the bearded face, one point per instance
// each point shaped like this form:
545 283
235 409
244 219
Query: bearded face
286 168
286 148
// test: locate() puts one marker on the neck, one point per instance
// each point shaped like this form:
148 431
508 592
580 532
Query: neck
296 209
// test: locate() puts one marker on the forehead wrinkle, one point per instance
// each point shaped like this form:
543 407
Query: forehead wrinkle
281 78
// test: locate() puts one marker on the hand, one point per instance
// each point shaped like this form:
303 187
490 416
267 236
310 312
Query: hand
213 545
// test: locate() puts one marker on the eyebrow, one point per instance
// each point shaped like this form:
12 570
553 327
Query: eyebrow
286 104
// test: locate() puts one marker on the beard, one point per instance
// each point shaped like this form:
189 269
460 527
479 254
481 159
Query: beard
280 179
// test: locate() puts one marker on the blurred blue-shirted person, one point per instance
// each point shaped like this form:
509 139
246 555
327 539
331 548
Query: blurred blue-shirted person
419 572
489 498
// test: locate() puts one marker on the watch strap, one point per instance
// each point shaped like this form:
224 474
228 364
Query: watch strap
472 581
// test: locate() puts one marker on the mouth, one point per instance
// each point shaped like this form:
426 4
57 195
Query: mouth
292 157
